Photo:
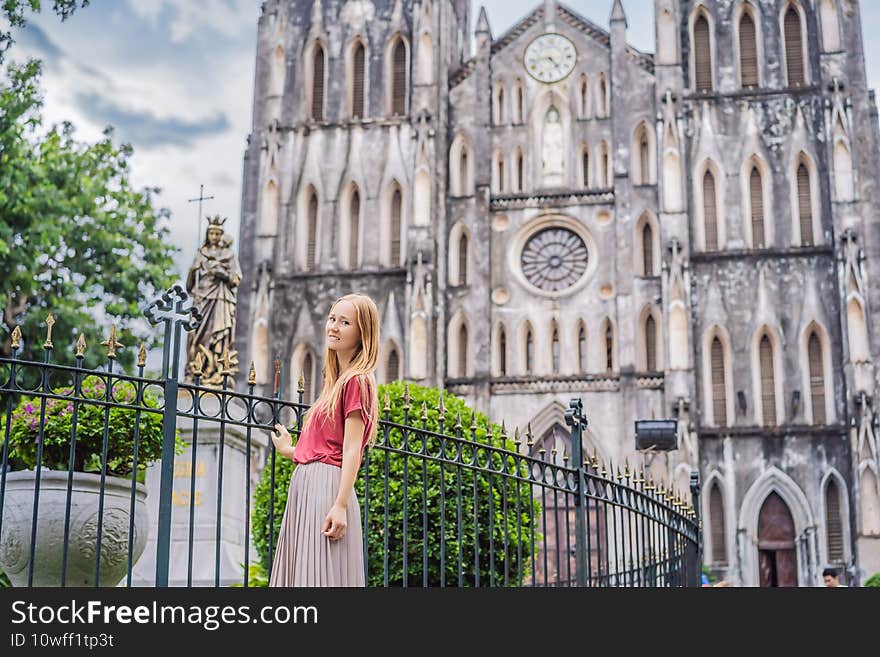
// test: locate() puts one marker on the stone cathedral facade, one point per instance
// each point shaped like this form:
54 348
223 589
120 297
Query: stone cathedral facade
551 213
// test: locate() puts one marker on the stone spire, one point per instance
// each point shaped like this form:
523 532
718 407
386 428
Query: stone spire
483 32
617 13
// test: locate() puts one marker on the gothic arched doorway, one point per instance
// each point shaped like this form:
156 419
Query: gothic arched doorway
777 558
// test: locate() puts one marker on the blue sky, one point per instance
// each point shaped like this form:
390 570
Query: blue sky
175 78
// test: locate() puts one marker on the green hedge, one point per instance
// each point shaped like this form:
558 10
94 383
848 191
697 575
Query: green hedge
518 529
873 581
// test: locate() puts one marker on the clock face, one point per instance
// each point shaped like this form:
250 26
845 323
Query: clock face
550 58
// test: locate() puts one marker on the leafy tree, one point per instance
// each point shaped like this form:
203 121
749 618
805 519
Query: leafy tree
14 12
76 239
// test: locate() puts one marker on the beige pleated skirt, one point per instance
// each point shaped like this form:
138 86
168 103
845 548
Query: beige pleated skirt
304 556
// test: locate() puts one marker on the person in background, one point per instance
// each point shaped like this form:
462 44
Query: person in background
832 578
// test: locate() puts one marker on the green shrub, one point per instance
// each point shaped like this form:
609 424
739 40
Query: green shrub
516 528
58 423
873 581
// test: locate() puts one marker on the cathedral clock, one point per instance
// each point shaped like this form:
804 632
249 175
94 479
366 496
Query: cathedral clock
550 57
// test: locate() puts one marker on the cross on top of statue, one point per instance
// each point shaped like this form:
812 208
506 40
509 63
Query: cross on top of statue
201 198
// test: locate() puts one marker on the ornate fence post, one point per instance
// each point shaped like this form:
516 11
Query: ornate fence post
169 309
574 417
694 573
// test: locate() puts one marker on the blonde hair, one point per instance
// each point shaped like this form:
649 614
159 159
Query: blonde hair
362 366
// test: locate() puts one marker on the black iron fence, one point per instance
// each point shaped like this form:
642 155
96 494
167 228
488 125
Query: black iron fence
446 500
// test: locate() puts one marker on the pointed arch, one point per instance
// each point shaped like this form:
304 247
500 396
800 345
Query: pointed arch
460 254
269 207
316 80
461 166
818 399
857 330
843 171
277 72
602 166
756 192
609 358
518 102
830 26
304 363
498 104
647 245
794 40
397 75
702 38
678 336
357 75
422 197
835 506
426 60
459 355
528 348
718 377
717 525
518 172
601 96
501 368
498 172
806 212
582 347
351 227
585 166
749 47
643 149
650 340
666 38
392 362
869 500
672 195
709 194
584 97
554 347
767 382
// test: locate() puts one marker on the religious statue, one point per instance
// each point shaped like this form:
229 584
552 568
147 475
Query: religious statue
213 282
552 151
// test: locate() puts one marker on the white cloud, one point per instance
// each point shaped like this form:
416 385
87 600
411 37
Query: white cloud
225 17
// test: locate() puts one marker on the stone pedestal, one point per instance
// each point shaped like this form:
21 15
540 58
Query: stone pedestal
234 506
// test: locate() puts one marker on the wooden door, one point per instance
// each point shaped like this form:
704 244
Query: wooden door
777 559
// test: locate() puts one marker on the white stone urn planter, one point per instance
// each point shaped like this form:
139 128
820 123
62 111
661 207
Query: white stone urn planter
18 509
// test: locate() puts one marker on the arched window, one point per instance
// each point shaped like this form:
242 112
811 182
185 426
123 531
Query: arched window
794 48
520 181
585 165
609 347
530 349
603 177
318 83
398 78
716 514
648 250
719 388
463 169
396 213
500 173
555 350
702 54
644 157
501 104
354 214
308 377
710 210
650 344
582 349
756 200
583 100
357 83
602 98
311 254
518 101
462 259
805 205
462 350
392 367
748 52
502 352
768 383
833 522
817 378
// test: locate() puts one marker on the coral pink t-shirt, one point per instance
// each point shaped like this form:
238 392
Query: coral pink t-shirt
322 440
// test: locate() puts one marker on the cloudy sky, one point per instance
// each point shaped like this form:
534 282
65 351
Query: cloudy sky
175 78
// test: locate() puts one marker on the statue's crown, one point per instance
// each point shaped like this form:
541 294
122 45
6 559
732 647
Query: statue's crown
216 221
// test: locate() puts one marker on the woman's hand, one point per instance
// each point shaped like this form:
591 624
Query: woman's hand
283 441
335 523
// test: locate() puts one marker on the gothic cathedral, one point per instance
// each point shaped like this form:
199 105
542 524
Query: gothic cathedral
551 213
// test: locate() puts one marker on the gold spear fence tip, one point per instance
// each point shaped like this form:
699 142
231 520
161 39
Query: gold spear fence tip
198 364
516 439
387 403
424 411
301 384
473 421
626 471
252 375
603 471
595 459
406 397
81 345
457 420
111 343
441 409
529 438
50 322
16 337
142 355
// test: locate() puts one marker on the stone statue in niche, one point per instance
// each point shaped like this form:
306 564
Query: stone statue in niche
552 152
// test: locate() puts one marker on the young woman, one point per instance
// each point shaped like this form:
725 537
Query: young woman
321 538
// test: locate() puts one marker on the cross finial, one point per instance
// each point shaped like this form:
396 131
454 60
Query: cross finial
200 199
50 322
111 343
